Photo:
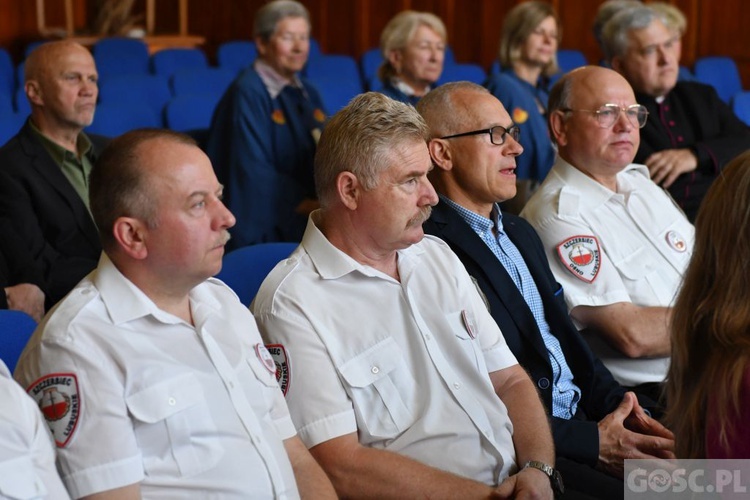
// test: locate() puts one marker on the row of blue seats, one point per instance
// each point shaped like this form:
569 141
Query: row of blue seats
185 100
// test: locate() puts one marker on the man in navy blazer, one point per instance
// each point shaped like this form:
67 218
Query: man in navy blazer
44 169
595 423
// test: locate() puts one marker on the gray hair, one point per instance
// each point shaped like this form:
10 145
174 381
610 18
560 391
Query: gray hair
398 33
519 24
671 15
615 39
267 18
605 13
360 139
440 110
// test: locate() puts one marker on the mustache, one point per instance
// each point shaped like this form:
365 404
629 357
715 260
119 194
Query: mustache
224 238
423 215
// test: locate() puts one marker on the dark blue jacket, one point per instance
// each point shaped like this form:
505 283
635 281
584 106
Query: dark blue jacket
578 438
262 151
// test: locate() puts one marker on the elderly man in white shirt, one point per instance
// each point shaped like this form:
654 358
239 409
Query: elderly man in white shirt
615 240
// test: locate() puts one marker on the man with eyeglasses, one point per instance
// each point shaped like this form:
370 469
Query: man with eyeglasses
691 133
474 172
614 239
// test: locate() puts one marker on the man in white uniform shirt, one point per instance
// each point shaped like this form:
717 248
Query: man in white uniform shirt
397 377
151 375
615 240
27 453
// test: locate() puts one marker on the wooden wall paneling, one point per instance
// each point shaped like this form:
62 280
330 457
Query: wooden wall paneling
723 31
353 26
576 19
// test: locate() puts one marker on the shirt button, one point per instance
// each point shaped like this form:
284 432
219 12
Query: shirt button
456 385
375 370
543 383
172 401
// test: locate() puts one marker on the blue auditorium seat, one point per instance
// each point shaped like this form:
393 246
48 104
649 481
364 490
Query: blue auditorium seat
460 71
190 112
244 269
720 72
115 118
236 55
152 90
168 61
201 80
120 56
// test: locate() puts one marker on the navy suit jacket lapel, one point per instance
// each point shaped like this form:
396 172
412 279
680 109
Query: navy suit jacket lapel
458 232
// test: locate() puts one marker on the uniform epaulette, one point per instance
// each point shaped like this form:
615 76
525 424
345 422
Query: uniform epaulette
568 204
59 319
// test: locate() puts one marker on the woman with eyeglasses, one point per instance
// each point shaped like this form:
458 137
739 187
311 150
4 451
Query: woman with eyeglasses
413 46
265 131
708 384
528 58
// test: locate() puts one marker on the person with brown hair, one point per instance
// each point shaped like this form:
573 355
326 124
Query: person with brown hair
528 58
708 384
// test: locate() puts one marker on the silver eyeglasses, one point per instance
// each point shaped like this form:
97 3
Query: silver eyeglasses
608 114
497 134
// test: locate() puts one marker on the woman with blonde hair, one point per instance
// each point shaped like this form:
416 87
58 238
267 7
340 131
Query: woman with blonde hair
413 46
528 58
708 384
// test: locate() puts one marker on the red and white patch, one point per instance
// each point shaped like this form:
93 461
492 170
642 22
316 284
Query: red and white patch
58 398
265 357
581 256
283 366
676 242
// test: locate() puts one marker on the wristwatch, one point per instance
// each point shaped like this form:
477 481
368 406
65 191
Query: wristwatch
555 479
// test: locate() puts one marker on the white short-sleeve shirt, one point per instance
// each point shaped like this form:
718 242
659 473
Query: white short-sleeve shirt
644 245
27 453
404 364
133 394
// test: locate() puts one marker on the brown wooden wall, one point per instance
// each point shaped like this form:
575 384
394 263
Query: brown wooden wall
353 26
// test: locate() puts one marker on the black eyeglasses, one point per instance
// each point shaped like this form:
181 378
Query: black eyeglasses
608 114
497 134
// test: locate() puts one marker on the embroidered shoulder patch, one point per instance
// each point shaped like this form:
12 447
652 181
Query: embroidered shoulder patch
58 398
283 366
581 256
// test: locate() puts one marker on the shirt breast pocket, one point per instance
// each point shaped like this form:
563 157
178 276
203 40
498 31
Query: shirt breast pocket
637 272
382 389
174 428
465 330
